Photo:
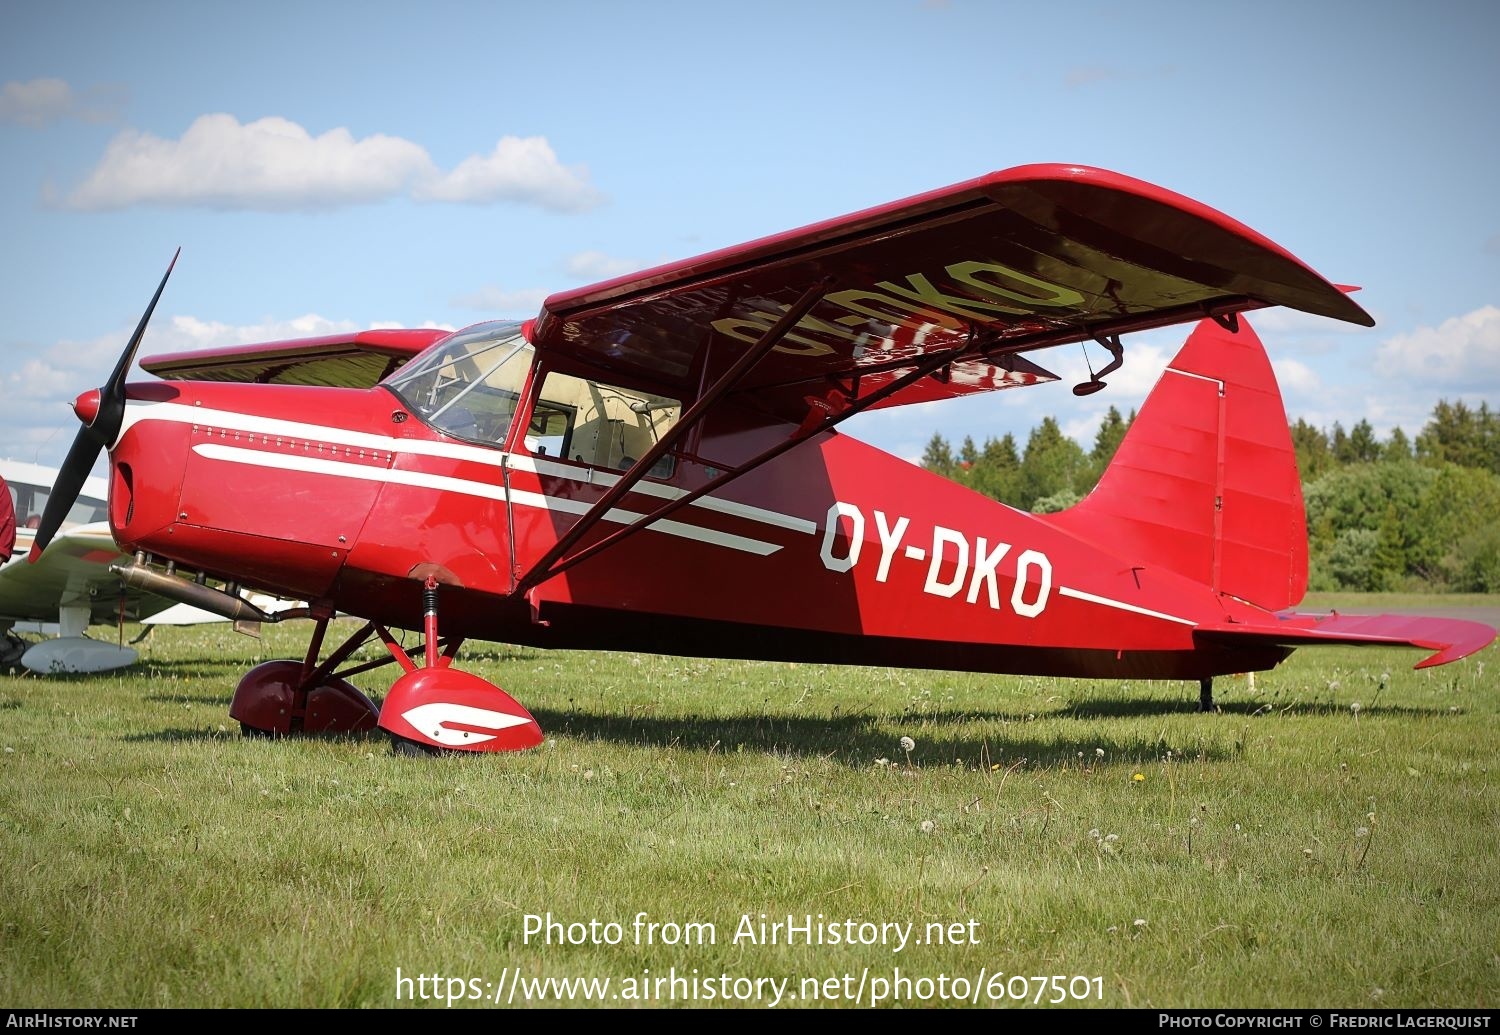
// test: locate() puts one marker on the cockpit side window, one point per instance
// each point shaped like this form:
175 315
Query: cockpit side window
470 384
585 421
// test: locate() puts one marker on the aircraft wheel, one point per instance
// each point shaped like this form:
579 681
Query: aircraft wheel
11 649
407 748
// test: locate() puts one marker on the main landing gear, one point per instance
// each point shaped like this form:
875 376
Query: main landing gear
1206 694
430 709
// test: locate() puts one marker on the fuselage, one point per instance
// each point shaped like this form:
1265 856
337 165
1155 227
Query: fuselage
833 551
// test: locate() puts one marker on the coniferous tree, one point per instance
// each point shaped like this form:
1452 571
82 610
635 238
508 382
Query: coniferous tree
1397 447
938 458
1364 448
1052 463
1313 453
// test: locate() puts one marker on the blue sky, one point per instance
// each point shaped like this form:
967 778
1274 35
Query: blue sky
331 166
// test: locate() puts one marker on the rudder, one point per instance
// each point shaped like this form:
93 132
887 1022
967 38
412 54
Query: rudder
1205 483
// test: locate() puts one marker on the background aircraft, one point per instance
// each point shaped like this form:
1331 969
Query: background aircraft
652 464
71 587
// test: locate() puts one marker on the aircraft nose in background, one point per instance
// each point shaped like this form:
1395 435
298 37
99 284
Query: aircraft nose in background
87 406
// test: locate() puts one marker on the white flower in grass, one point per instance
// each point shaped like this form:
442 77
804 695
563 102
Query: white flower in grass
928 826
1098 752
908 745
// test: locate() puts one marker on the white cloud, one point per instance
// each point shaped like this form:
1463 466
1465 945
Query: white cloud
274 164
40 102
523 169
595 265
37 421
524 303
1462 352
1291 330
1295 376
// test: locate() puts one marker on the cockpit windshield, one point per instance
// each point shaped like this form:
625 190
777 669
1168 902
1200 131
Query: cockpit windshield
468 385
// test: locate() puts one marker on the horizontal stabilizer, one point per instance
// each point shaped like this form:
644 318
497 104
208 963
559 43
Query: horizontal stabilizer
1448 638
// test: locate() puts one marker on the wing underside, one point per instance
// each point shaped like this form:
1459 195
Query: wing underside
980 273
73 571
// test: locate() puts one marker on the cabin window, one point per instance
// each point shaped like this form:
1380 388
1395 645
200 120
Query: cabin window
468 385
601 425
29 501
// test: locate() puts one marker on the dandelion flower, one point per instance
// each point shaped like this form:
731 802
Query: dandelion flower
1362 832
908 745
1098 752
1138 922
1355 707
1307 852
1094 833
1111 837
1138 777
927 826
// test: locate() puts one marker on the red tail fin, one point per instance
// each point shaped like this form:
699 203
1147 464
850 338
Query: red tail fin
1205 483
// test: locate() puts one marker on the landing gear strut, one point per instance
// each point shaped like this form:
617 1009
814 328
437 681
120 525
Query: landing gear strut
278 698
432 709
1206 694
436 707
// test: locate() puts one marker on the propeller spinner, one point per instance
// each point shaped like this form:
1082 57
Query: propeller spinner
102 411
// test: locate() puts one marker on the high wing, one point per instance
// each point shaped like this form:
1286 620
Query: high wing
961 280
357 360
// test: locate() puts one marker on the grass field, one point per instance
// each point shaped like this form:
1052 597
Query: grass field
1329 838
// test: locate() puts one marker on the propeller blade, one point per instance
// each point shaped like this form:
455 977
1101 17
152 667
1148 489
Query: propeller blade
100 433
70 478
106 424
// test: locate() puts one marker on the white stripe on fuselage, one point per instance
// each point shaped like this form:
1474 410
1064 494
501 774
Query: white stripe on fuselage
179 413
463 486
1078 594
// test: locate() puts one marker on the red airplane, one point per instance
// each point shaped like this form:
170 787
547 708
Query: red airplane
652 464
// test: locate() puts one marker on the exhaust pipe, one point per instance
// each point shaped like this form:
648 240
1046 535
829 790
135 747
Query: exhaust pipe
215 601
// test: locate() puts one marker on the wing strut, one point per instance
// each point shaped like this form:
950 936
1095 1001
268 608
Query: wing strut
547 566
809 429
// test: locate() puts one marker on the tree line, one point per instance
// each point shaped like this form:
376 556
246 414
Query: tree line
1382 514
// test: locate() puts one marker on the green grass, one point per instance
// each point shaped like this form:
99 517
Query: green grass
1287 851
